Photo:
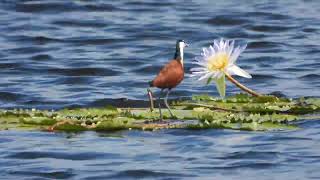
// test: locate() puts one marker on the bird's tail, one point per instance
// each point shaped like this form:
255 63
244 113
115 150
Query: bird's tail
150 83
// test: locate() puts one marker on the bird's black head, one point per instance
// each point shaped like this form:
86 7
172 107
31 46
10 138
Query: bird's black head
181 43
180 40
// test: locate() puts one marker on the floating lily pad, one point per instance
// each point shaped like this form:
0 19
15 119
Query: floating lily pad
241 112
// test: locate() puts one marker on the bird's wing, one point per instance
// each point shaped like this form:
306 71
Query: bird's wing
170 75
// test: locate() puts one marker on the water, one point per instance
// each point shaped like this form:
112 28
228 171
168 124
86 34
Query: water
168 154
56 54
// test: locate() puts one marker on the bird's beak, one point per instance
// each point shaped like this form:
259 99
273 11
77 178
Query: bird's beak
187 45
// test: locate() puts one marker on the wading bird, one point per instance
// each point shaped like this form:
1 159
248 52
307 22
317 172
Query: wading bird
170 75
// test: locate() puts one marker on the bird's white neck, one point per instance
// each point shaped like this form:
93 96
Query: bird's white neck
181 53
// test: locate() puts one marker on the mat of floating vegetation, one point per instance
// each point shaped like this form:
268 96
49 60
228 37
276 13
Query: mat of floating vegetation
240 112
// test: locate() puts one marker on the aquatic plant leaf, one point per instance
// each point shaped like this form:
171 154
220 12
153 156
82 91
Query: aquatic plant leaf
241 112
209 80
203 97
67 127
221 86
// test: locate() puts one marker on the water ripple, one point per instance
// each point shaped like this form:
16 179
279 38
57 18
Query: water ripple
61 155
145 174
50 174
57 54
106 44
226 20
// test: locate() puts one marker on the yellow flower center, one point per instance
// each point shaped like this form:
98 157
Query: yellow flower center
218 62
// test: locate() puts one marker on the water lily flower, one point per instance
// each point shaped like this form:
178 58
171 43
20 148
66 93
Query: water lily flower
217 62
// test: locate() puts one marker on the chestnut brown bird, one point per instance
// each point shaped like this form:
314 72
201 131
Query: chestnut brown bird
170 75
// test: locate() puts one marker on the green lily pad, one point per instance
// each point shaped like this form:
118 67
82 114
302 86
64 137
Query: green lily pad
240 112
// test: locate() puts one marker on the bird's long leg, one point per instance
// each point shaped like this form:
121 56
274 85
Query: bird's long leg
161 118
150 95
166 103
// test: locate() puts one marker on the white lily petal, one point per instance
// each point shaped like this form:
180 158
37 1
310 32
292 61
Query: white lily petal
190 75
199 73
200 64
214 74
216 42
198 69
196 74
233 69
219 74
216 45
205 51
230 49
221 44
212 50
198 58
205 76
226 45
236 53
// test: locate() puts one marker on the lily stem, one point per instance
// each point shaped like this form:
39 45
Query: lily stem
241 86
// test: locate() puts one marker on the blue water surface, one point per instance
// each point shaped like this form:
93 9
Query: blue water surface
56 54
